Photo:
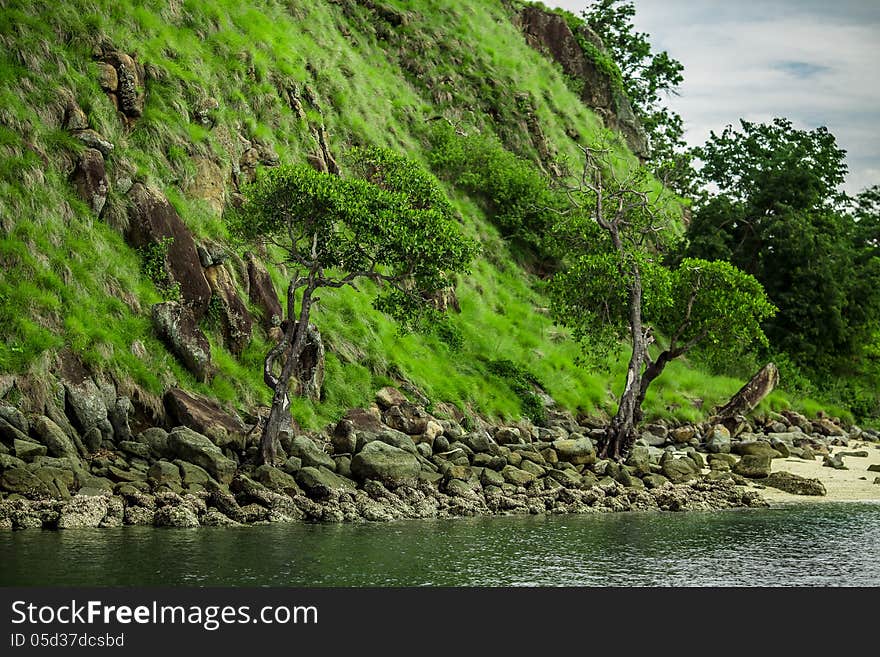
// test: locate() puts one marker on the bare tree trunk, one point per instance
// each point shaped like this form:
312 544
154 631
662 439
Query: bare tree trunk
621 432
295 337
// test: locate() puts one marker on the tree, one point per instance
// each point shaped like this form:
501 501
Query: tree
647 78
772 206
391 224
614 286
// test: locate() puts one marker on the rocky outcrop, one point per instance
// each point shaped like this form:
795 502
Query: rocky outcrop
209 183
236 323
205 417
262 293
153 224
176 326
795 484
90 179
124 84
548 32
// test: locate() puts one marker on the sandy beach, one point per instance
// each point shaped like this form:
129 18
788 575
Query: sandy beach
854 484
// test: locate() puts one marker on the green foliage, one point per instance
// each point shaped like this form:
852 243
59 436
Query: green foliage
646 77
516 194
523 383
394 224
154 264
778 215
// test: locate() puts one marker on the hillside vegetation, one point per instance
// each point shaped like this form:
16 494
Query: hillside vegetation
229 87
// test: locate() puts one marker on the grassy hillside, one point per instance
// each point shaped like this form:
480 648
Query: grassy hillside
223 76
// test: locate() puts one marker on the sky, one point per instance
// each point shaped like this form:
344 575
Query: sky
814 62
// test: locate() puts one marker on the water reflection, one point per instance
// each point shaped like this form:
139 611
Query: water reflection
816 545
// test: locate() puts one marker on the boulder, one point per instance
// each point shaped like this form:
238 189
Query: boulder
163 473
508 436
834 461
107 77
86 407
311 454
27 450
407 418
480 442
795 484
320 482
385 463
755 447
56 441
193 475
181 516
187 445
205 417
652 440
94 140
679 470
176 326
389 436
24 482
754 466
516 476
12 416
826 427
83 511
577 449
118 415
640 460
136 449
654 480
262 293
683 435
388 396
277 480
153 224
156 438
718 440
236 323
89 178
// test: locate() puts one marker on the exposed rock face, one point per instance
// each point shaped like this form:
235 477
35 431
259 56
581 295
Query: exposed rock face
548 32
90 179
236 323
176 326
209 183
129 83
262 292
152 222
205 417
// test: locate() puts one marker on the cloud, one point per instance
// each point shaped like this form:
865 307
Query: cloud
811 61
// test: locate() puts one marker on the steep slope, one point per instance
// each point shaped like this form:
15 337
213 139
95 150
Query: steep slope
125 131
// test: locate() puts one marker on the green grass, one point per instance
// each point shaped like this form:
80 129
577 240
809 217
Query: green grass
68 281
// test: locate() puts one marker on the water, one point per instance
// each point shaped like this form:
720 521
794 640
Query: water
811 545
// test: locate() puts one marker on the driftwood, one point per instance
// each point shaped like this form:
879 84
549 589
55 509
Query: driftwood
751 394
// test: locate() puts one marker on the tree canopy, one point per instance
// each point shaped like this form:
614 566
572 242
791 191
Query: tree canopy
390 223
772 206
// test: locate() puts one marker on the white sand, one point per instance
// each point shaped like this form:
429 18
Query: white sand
854 484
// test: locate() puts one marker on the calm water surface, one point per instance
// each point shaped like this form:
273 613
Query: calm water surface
809 545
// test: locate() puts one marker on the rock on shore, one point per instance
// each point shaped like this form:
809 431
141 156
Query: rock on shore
391 461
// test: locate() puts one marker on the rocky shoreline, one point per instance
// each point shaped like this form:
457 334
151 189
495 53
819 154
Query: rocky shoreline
85 466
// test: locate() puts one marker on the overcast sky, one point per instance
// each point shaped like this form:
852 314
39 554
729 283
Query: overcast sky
815 62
